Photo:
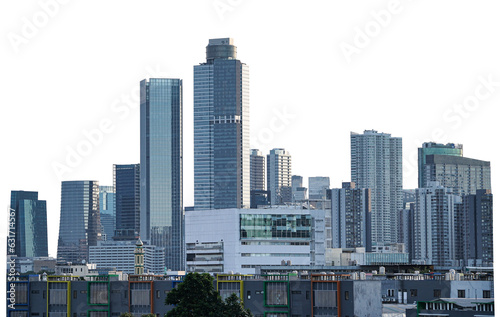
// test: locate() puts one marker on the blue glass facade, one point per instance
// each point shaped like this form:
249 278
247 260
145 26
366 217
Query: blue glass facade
80 223
107 211
431 148
127 199
221 130
161 219
30 224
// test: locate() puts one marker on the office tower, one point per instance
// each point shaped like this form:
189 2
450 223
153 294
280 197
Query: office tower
257 170
80 223
318 186
126 180
107 211
221 129
463 175
299 193
474 229
431 148
279 176
351 217
161 219
433 225
376 163
30 225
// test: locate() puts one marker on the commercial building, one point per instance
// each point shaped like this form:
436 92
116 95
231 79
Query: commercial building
80 222
239 240
377 164
431 148
318 186
119 255
299 193
27 235
107 211
221 129
126 180
161 220
257 170
279 176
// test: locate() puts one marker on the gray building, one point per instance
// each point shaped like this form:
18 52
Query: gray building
299 193
434 225
279 176
161 220
351 217
318 186
377 164
28 215
257 170
431 148
80 222
127 200
463 175
221 129
107 211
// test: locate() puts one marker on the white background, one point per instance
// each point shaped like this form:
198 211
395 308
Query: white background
74 69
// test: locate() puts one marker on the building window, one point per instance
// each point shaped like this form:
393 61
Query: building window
413 292
249 294
461 293
486 294
390 292
346 295
157 294
307 294
437 293
75 294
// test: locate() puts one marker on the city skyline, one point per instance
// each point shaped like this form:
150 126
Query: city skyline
268 97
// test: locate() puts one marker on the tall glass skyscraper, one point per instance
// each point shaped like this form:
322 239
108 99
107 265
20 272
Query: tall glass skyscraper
377 164
30 224
161 219
80 223
431 148
221 129
126 180
107 211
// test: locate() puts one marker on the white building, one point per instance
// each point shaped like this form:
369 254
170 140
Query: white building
239 240
120 255
279 176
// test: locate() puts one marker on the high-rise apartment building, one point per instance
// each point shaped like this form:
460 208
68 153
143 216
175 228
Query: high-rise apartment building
434 225
351 217
107 211
279 176
126 180
463 175
474 229
377 164
80 222
257 170
161 220
431 148
318 186
30 225
221 129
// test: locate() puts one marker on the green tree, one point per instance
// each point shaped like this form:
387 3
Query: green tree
233 306
126 315
197 297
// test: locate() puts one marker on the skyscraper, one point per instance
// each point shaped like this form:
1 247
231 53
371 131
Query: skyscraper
127 200
257 170
221 129
351 217
430 148
376 163
299 193
433 225
30 224
463 175
161 210
279 176
107 211
80 223
318 186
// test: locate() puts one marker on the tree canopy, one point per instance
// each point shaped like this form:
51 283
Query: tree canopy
196 296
